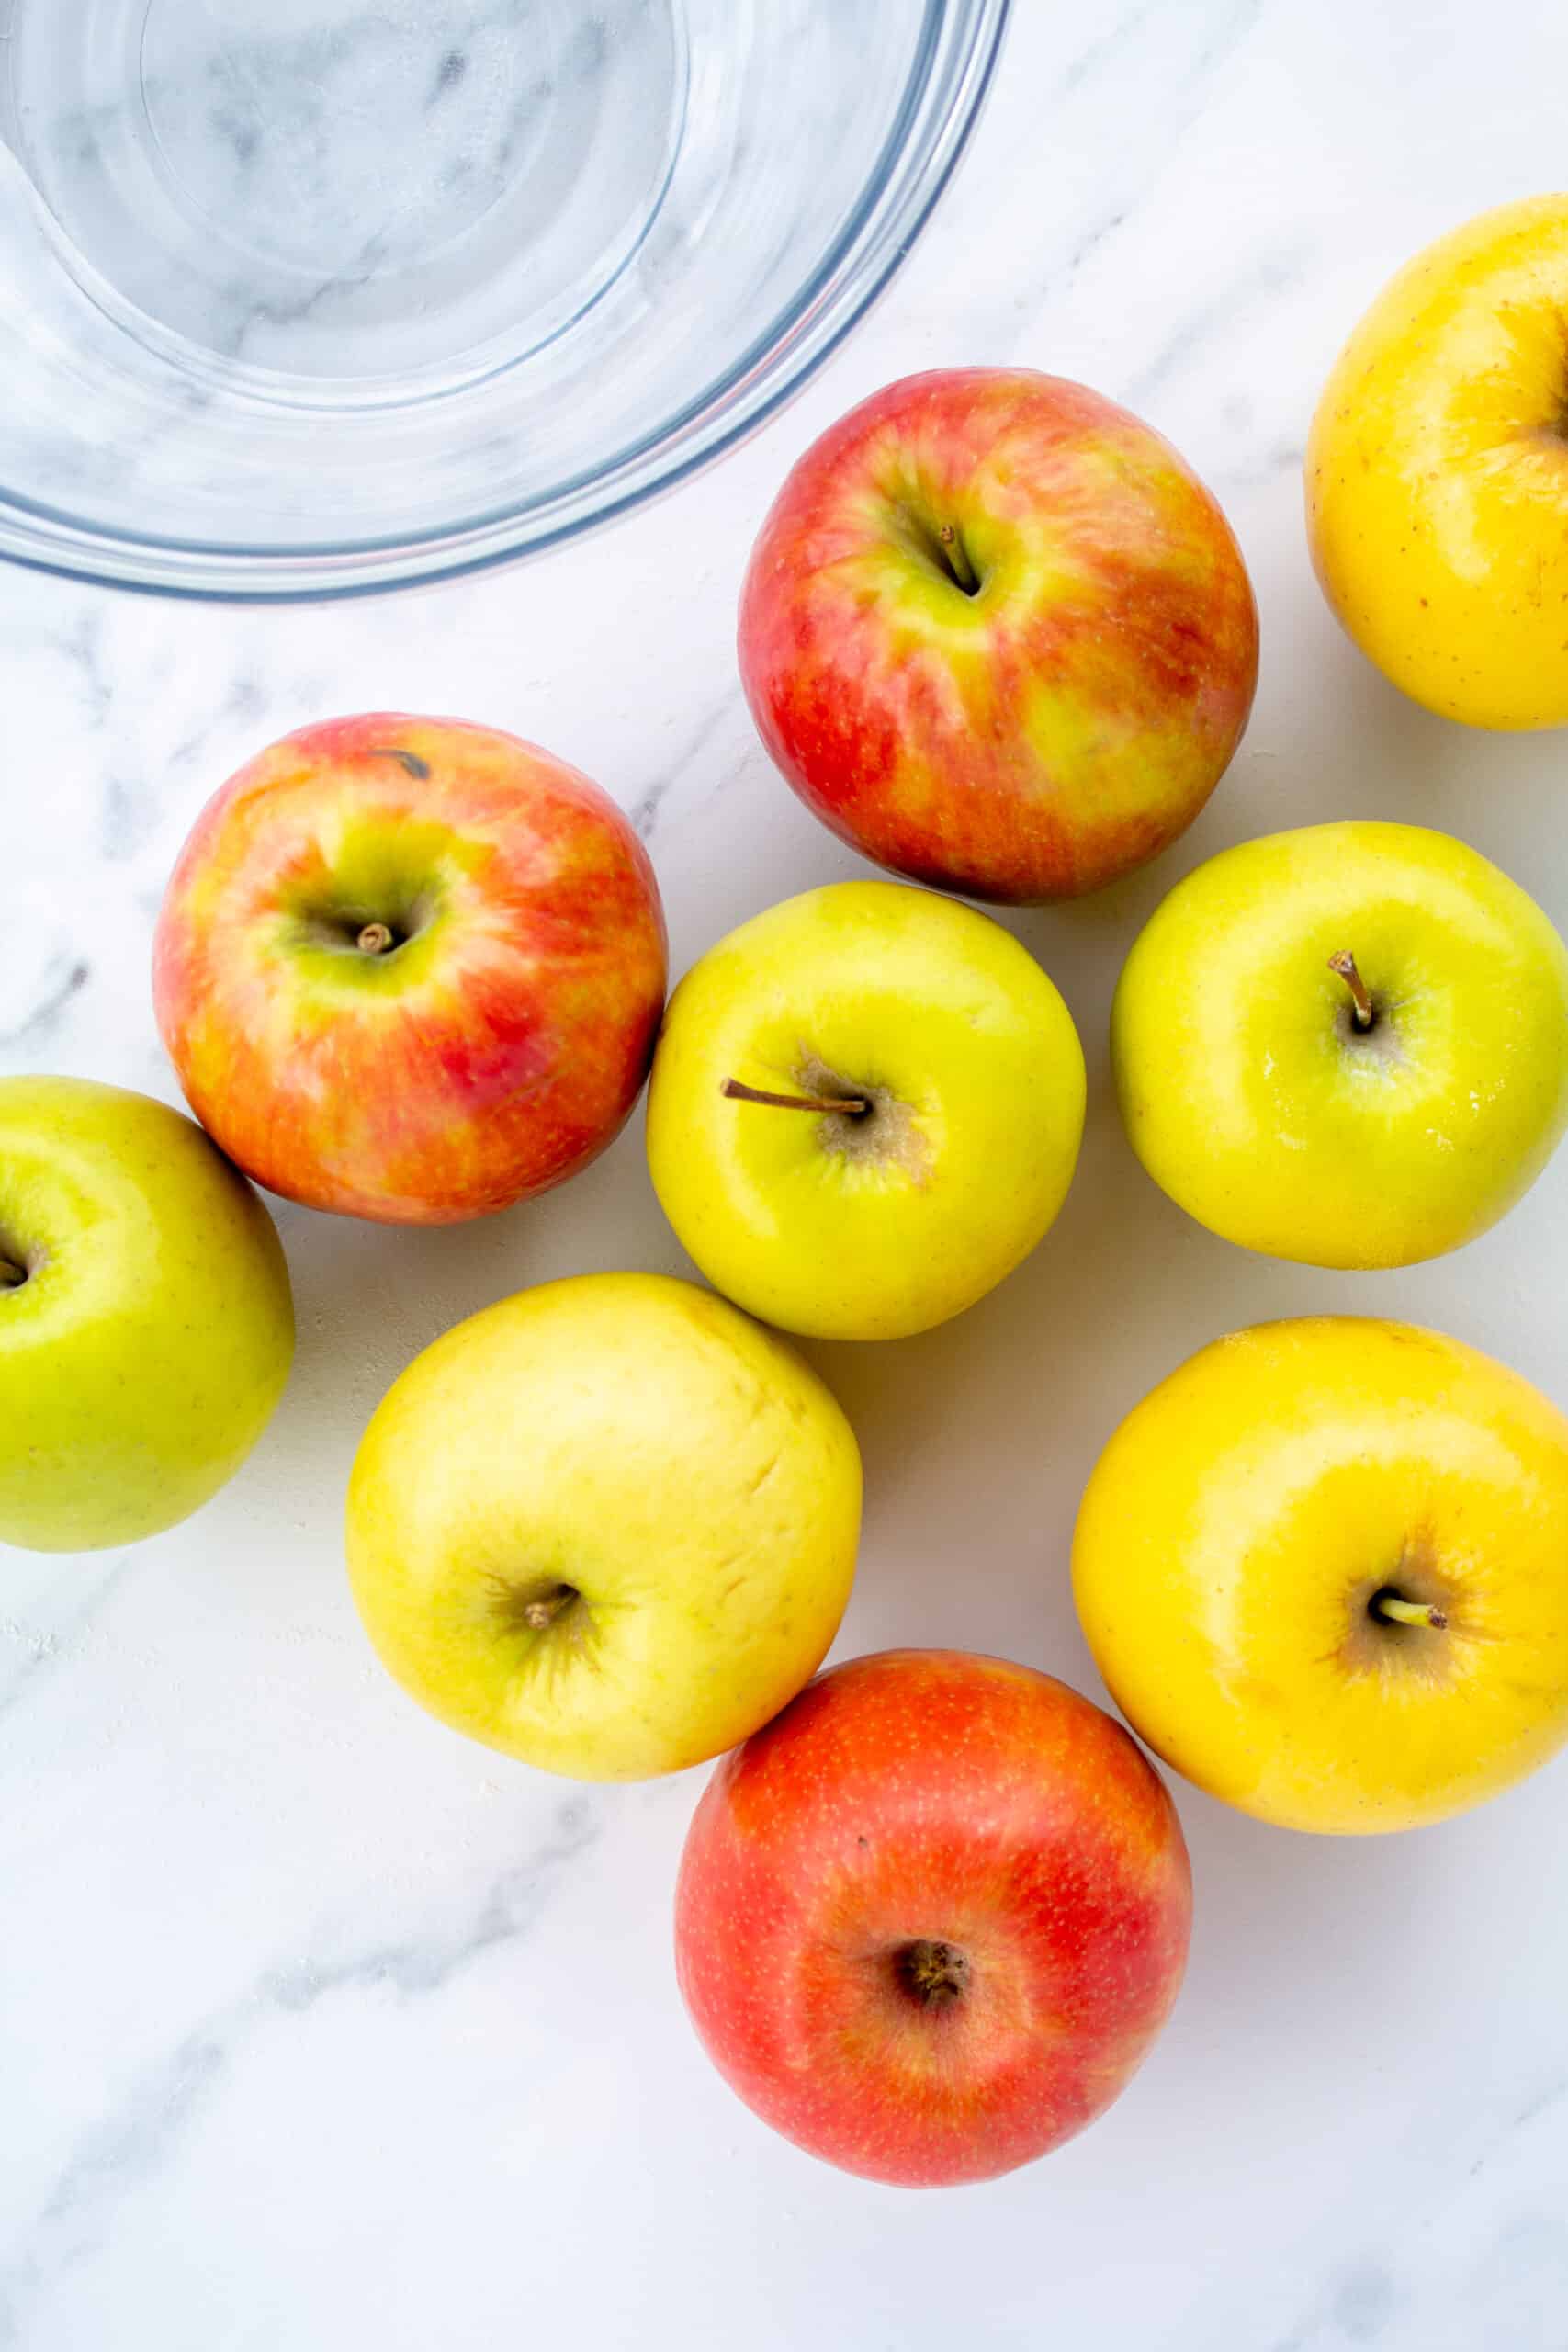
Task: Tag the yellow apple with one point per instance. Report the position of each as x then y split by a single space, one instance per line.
608 1526
1437 472
1346 1045
146 1323
865 1109
1324 1571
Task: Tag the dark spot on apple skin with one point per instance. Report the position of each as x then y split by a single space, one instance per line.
419 769
863 1841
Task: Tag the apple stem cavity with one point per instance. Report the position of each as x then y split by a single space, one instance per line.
932 1973
375 939
12 1276
1363 1012
957 561
1397 1611
852 1107
540 1614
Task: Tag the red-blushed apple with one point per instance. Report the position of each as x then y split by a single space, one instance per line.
998 635
931 1919
411 969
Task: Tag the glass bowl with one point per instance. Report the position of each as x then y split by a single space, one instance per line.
304 297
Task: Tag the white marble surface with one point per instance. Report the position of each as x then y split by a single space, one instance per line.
320 2029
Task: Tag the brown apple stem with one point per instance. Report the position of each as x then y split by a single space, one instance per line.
854 1105
958 561
1363 1012
374 939
537 1614
12 1276
1408 1613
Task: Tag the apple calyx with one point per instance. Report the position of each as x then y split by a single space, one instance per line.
542 1612
375 939
932 1973
1363 1012
1396 1610
852 1107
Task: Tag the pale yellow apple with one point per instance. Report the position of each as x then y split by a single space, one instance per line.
963 1082
608 1526
1363 1113
1324 1571
146 1324
1437 472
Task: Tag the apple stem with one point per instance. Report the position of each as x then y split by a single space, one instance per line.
855 1106
374 939
958 561
537 1614
1363 1011
1408 1613
12 1276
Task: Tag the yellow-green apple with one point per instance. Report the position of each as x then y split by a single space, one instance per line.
1437 472
930 1920
146 1325
411 969
865 1109
608 1526
998 635
1323 1570
1346 1045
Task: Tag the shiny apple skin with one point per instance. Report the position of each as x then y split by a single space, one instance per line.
1061 724
494 1053
919 1795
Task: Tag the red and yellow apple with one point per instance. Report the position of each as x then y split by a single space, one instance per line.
931 1919
410 968
998 635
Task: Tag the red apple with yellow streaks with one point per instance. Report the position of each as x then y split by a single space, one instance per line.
998 635
931 1917
410 968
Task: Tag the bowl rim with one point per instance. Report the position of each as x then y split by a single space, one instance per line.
899 200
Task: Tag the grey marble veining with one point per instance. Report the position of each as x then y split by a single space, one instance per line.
127 2146
321 2028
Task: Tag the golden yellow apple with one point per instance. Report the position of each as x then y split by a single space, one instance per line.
1324 1571
865 1109
1437 472
608 1525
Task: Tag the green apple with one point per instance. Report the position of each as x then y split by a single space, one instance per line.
146 1324
608 1526
865 1109
1346 1045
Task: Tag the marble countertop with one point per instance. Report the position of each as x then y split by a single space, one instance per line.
319 2028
